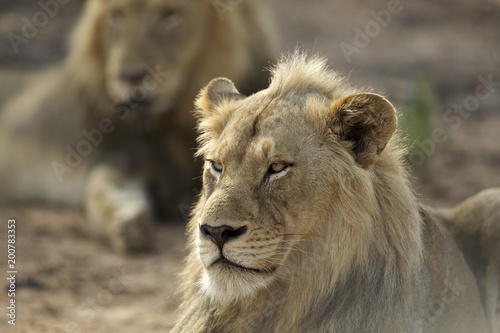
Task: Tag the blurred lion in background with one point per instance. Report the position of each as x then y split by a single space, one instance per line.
115 118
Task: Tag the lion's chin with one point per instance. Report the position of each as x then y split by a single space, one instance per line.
227 283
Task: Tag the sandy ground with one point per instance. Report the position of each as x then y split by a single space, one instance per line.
69 282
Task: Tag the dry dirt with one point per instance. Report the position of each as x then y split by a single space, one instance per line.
69 282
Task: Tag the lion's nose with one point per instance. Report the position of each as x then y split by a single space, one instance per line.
220 235
133 76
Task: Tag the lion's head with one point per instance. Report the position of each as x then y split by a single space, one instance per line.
291 180
307 221
149 46
153 56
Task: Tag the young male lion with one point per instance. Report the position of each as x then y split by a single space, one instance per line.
307 223
119 108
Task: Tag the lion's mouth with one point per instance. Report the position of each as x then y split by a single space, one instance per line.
225 262
133 103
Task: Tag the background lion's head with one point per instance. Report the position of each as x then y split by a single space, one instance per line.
149 48
152 57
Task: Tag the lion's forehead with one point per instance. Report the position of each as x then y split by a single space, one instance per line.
263 132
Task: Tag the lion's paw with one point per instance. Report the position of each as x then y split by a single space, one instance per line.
131 233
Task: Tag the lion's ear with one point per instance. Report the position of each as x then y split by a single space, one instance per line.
216 92
367 120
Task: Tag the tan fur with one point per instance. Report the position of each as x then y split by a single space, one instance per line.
133 71
307 222
475 223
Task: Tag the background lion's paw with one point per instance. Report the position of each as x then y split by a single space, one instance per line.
132 233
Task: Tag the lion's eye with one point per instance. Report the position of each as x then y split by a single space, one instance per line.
170 18
216 166
115 17
277 169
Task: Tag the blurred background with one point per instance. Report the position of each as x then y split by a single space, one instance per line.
430 58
